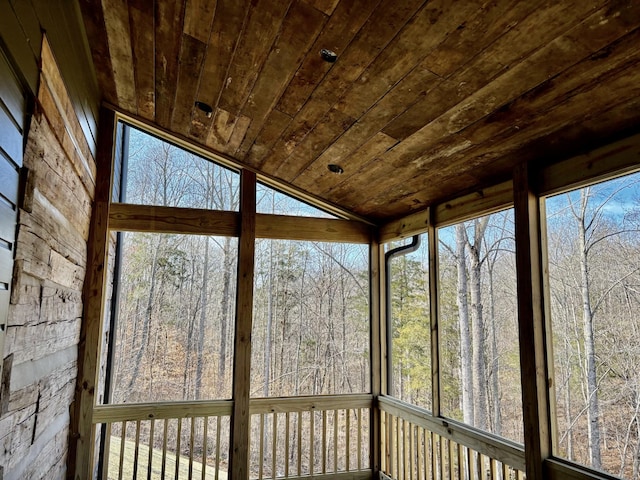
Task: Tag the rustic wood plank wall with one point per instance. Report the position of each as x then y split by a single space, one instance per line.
22 24
45 308
12 124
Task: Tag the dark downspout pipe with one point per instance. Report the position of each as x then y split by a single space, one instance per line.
390 255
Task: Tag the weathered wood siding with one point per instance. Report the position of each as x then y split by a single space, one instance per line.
22 24
46 296
12 127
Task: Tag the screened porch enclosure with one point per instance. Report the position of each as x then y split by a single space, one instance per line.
247 333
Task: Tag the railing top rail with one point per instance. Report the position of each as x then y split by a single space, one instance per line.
203 408
161 410
310 403
501 449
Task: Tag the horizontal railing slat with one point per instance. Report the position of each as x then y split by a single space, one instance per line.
492 446
306 404
202 408
148 411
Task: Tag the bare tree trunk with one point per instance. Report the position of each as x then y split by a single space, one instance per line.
495 360
463 319
479 369
301 317
224 313
146 324
203 319
636 457
267 343
593 414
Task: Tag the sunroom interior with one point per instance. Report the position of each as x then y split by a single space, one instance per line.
319 239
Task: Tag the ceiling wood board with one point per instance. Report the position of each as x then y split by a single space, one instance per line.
427 100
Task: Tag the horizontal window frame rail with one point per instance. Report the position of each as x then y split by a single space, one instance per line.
498 448
192 221
126 217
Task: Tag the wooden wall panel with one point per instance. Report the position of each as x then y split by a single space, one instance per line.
62 21
12 115
42 264
21 27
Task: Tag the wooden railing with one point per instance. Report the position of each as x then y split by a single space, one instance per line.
418 446
179 440
311 436
290 437
299 437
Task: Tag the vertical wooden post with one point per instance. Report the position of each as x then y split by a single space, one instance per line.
376 353
82 440
434 314
240 418
532 324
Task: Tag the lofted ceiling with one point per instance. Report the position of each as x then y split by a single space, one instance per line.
425 99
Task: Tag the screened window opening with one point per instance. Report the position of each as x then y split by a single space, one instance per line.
173 338
410 326
479 349
270 200
311 319
157 172
593 243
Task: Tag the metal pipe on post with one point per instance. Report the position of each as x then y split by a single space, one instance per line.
388 256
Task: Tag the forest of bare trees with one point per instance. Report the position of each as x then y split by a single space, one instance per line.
593 245
594 266
174 335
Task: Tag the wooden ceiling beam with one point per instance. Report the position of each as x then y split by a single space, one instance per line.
156 219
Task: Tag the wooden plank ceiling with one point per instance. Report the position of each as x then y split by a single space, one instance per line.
427 99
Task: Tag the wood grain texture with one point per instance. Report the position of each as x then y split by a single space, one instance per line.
376 327
191 56
144 218
263 23
375 34
241 417
59 110
116 19
311 229
169 19
299 29
142 45
533 326
424 102
408 226
82 444
339 31
227 28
